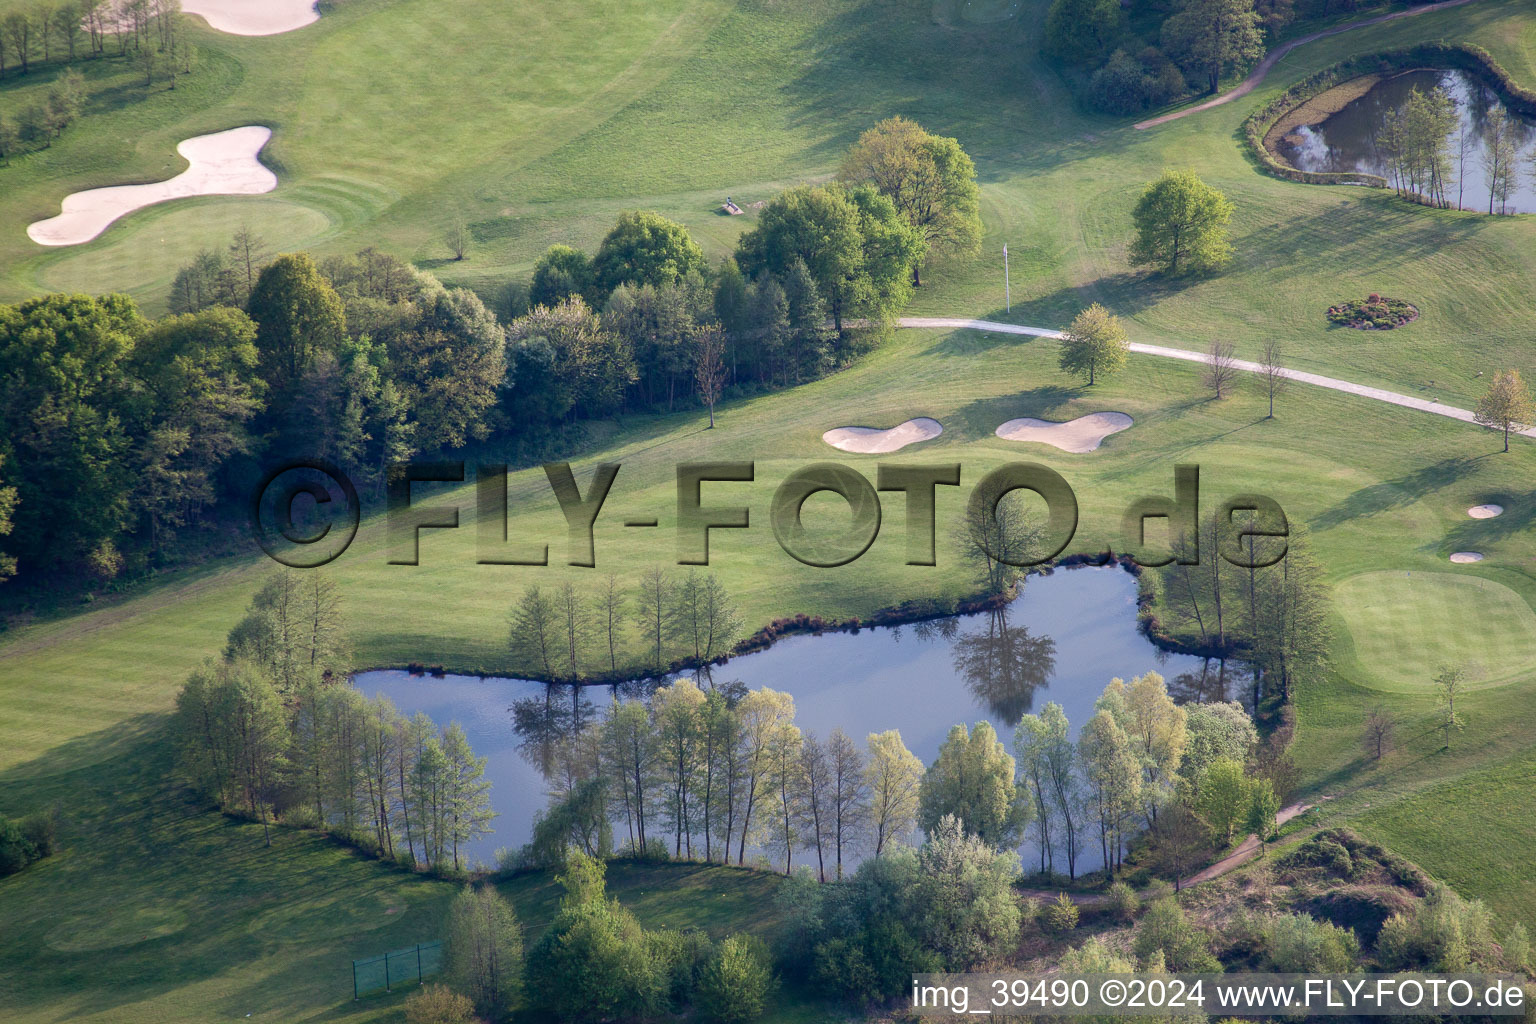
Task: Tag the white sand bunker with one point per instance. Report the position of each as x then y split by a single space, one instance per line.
1485 511
1080 435
1464 557
253 17
222 164
873 441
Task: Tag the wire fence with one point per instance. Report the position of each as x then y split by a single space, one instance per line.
412 964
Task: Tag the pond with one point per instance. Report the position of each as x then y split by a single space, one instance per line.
1346 141
1062 640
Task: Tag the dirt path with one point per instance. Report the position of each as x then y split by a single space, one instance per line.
1247 85
1246 850
1302 376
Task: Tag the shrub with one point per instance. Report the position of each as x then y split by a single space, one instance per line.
1300 944
1442 933
1129 85
679 959
735 985
1165 930
25 841
438 1004
1361 908
1060 915
1123 902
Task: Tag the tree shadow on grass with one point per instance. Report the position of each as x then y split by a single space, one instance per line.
1394 494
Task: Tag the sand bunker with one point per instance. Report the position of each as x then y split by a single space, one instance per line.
222 164
872 441
253 17
1080 435
1485 511
1464 557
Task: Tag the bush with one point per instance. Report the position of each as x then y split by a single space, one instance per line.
1297 943
438 1004
1128 85
1165 931
1060 915
680 959
1123 902
25 841
735 985
1442 933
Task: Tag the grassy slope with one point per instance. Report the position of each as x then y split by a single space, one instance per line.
154 911
1384 489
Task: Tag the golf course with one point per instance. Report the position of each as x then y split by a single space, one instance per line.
537 123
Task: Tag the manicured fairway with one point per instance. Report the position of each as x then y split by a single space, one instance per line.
1405 625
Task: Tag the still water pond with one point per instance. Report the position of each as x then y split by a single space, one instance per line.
1062 640
1346 141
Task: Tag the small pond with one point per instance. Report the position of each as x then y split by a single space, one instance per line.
1063 640
1346 141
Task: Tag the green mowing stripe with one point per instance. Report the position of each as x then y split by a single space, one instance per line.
1405 625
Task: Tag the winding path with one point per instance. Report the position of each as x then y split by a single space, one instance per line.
1247 85
1315 379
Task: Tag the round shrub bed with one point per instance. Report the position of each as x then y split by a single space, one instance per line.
1373 313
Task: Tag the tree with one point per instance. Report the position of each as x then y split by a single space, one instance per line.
1049 761
1213 37
848 794
1223 797
592 963
709 369
1450 684
1377 733
7 509
609 614
972 780
853 243
894 776
963 906
1094 345
1220 367
738 981
534 637
1114 781
1180 838
456 237
677 710
1157 730
466 800
1272 377
1506 405
930 179
573 365
629 746
1213 730
1263 805
644 248
559 274
17 29
1181 223
654 612
1081 31
298 316
249 252
485 950
1500 156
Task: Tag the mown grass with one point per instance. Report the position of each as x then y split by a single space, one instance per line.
158 910
686 101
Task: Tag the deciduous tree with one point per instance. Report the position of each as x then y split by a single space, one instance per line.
894 776
1506 405
1094 345
1181 225
485 949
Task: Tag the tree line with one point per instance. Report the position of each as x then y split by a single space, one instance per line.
706 773
275 730
1428 149
119 431
150 33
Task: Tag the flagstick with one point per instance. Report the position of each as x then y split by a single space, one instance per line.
1007 282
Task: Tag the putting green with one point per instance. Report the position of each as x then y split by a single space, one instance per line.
1405 625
